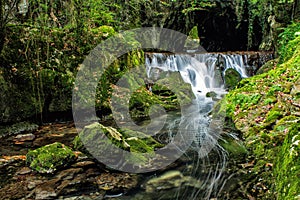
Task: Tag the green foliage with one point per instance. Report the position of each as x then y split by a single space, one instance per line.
288 163
198 5
265 14
288 41
193 34
269 124
272 116
49 158
241 101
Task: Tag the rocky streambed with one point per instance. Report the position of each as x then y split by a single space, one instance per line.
82 177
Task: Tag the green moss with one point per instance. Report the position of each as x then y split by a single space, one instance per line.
233 147
232 77
193 34
267 66
136 142
264 109
142 100
287 168
49 158
272 116
270 100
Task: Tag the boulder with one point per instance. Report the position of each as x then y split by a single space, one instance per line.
104 143
166 186
232 78
49 158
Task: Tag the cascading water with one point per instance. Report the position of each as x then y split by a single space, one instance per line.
205 73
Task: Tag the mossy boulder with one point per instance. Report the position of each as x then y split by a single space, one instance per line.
287 168
50 158
91 140
232 77
171 185
170 92
267 66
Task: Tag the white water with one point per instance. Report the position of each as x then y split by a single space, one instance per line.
205 73
200 70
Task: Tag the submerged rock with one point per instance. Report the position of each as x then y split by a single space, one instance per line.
167 185
49 158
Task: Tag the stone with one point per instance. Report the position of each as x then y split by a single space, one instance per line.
171 185
15 190
232 78
69 173
21 138
49 158
117 182
100 147
23 171
295 92
46 190
170 180
267 66
84 164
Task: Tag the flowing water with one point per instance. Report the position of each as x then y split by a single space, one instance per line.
205 73
200 173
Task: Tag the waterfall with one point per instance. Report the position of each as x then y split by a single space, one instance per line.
205 73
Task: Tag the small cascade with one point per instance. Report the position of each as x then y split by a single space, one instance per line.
205 73
202 70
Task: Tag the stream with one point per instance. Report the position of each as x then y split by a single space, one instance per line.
206 170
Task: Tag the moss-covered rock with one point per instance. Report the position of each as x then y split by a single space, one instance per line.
49 158
287 168
232 77
171 185
92 142
140 96
267 66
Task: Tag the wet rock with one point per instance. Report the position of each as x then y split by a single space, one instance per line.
211 94
116 182
21 138
67 182
46 190
170 180
49 158
98 141
267 66
93 196
23 171
232 78
68 173
16 190
17 128
170 185
84 164
33 183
